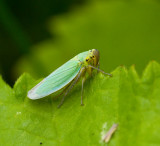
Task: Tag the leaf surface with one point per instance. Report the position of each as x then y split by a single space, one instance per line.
127 99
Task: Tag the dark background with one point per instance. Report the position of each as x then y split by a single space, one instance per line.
39 36
22 24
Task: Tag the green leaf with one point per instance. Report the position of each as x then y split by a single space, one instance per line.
127 99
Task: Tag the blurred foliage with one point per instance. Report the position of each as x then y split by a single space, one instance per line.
125 98
23 23
125 32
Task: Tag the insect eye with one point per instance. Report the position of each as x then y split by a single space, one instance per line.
93 56
86 59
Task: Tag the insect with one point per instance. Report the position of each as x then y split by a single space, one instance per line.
65 77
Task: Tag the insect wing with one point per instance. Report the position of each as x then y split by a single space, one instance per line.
56 80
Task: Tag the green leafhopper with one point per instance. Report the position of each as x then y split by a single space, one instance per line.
66 76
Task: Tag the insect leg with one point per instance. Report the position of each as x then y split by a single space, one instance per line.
98 65
69 89
83 80
100 70
64 90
